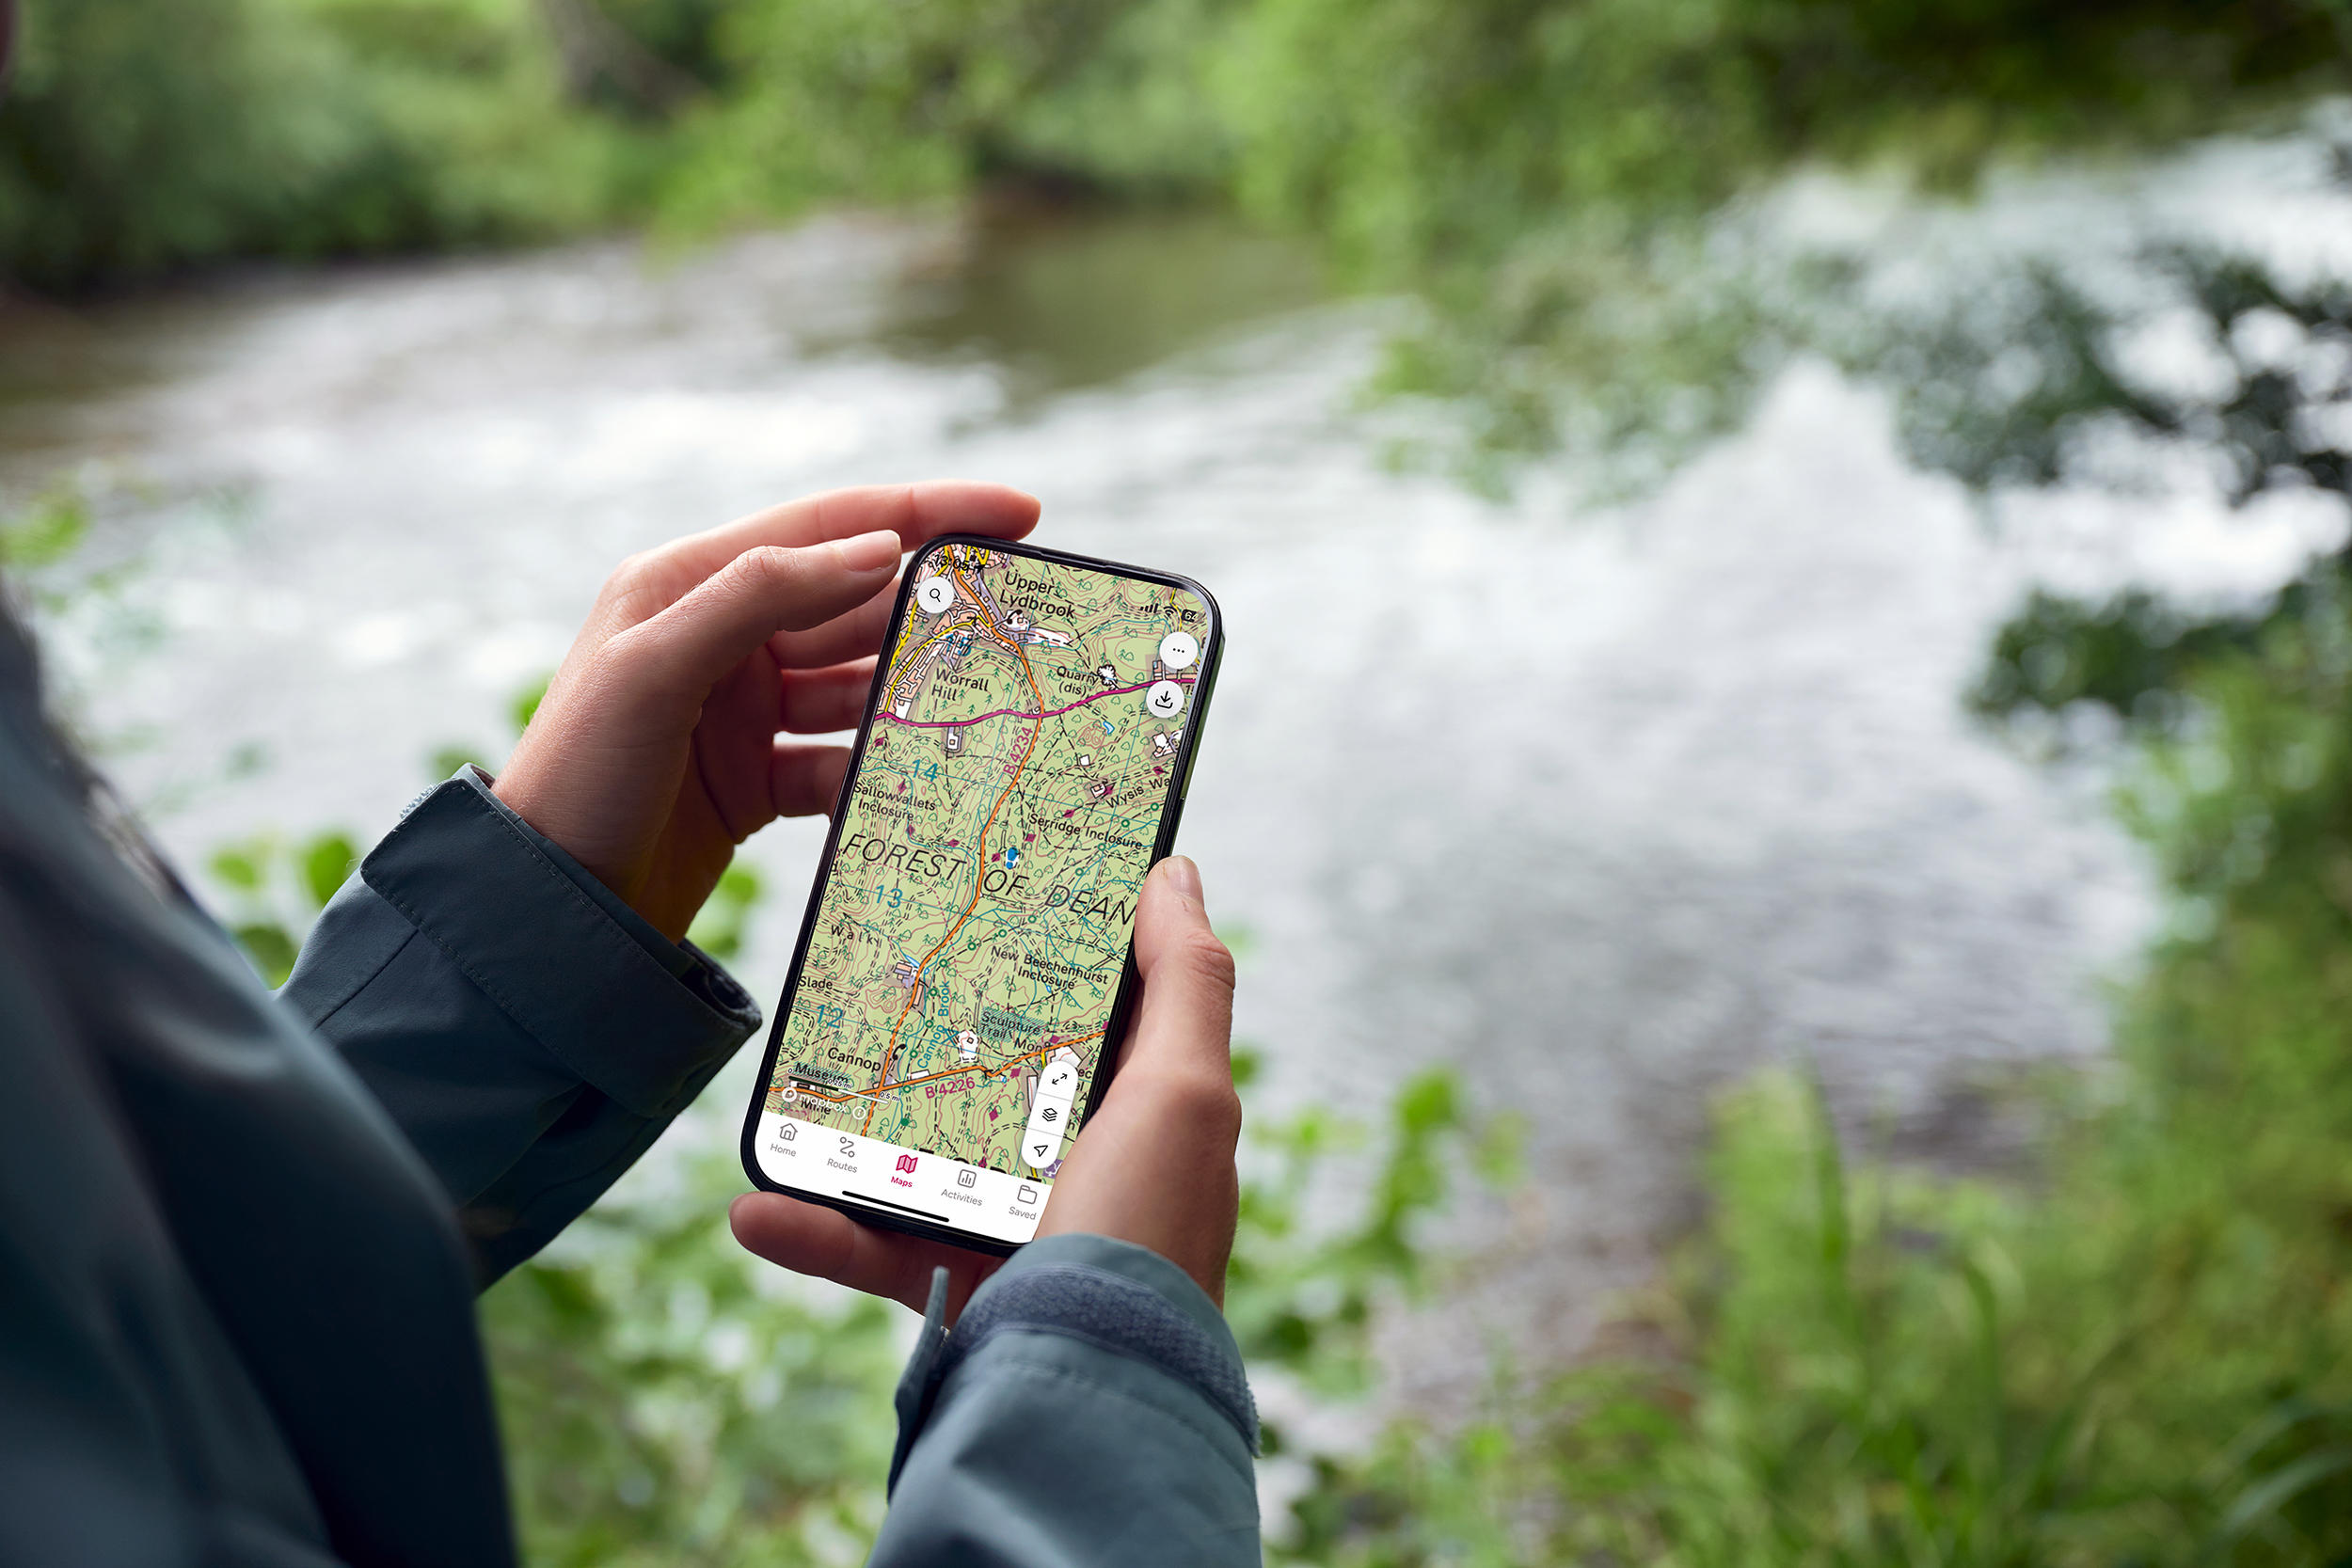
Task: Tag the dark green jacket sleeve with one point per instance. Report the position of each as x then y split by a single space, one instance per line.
1089 1408
529 1033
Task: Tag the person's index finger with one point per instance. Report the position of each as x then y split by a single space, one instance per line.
737 610
851 635
915 513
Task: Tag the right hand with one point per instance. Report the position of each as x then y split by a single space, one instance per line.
1153 1165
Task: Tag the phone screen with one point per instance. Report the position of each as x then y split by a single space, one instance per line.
966 955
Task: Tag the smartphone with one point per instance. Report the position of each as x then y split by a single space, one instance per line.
965 970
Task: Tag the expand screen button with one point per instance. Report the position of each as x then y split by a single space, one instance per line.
1060 1081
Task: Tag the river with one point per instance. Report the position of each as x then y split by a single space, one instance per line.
1606 806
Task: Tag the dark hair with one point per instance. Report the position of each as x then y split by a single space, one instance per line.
27 726
20 703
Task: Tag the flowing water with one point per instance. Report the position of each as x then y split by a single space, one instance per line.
1604 806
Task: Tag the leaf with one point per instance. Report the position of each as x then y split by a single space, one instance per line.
269 949
526 704
47 533
326 860
1429 1103
239 865
2264 1498
445 762
719 925
738 886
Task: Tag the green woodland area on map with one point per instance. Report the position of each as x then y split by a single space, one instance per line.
996 837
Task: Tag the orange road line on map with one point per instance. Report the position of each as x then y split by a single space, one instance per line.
956 1072
981 876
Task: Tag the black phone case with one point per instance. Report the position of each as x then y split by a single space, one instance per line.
1122 1001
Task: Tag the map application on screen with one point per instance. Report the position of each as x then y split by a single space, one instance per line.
936 1054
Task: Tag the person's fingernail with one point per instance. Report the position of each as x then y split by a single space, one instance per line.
1186 877
869 553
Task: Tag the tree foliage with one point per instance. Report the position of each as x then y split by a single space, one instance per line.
143 136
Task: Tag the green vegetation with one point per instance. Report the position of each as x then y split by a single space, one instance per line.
141 135
2268 427
275 889
1414 135
1549 178
668 1399
2136 1352
2142 1352
1555 180
2142 1356
48 530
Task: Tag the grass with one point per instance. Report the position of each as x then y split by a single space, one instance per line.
2139 1353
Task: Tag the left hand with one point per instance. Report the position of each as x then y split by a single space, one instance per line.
654 752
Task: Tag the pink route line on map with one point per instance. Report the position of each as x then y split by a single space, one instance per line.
1015 713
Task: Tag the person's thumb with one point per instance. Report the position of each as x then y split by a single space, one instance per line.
1186 1023
681 654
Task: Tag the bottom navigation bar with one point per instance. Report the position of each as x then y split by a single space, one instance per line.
924 1186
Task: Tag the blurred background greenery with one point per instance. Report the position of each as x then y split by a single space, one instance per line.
2131 1346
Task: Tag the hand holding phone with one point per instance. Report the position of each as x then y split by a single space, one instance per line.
968 956
1156 1167
655 750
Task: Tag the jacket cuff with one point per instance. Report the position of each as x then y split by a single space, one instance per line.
636 1016
1113 1295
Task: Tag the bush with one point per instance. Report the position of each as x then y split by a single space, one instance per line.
144 136
2140 1355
